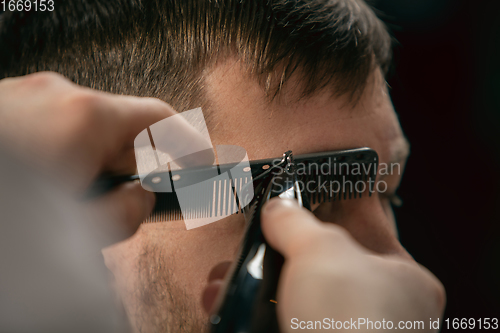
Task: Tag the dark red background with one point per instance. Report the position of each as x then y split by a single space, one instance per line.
446 89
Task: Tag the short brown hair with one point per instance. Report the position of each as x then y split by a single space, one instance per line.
163 48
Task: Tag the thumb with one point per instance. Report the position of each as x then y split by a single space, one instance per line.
288 227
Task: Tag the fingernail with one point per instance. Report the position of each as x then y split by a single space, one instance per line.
276 203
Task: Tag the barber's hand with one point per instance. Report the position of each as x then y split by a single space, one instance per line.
328 274
74 134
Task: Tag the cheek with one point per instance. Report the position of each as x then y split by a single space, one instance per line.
191 254
367 221
390 217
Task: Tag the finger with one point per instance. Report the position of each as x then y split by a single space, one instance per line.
289 228
177 138
123 164
126 206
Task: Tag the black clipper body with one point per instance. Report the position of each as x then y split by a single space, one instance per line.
249 304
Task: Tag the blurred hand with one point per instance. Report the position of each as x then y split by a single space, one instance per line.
327 274
75 134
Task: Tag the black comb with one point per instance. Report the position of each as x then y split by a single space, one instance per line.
327 176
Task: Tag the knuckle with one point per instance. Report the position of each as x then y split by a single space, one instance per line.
160 105
335 233
83 100
80 111
84 106
134 211
42 79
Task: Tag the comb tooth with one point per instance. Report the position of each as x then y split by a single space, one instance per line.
192 207
339 192
224 199
185 211
356 185
206 203
217 213
212 200
166 205
156 211
348 187
311 194
197 205
344 188
180 214
200 208
228 197
341 188
361 177
168 202
241 188
323 196
347 191
370 186
320 191
155 215
354 177
364 186
351 187
316 190
332 188
235 196
329 189
201 203
339 195
235 202
353 192
246 182
162 209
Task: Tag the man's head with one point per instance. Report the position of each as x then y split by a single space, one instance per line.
271 76
167 49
